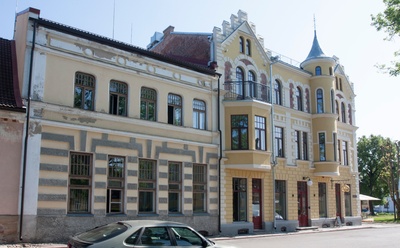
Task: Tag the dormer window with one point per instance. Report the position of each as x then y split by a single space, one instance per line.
318 71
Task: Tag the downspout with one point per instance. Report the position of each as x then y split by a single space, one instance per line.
28 110
220 154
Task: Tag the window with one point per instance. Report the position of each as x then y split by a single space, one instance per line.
339 152
260 134
279 152
148 104
239 132
322 200
147 186
174 187
240 81
334 147
330 71
337 83
332 101
347 199
151 236
337 110
345 153
248 47
199 114
199 188
251 86
299 99
280 199
239 199
115 181
118 98
318 71
350 115
278 92
186 237
343 113
174 110
340 84
297 144
80 183
251 76
305 146
84 91
321 141
320 101
241 44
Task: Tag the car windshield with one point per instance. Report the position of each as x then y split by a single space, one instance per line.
103 232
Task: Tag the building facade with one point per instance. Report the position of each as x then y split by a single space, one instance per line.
289 155
115 132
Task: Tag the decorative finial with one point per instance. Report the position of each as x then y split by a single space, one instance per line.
315 25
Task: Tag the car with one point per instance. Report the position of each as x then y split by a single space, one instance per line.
139 233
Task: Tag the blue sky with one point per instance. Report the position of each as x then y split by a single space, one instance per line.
343 28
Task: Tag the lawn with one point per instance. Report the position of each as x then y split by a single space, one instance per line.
384 218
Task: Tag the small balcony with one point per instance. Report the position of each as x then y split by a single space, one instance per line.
246 90
327 169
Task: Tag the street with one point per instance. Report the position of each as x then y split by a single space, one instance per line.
378 235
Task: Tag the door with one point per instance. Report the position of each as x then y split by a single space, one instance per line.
257 204
338 200
302 201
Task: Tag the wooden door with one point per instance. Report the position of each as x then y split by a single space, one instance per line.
302 200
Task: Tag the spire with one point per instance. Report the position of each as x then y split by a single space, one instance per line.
316 50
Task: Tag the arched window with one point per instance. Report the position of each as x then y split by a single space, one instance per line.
85 86
337 83
350 115
199 114
251 86
251 76
320 101
337 109
174 109
248 48
299 98
332 101
340 84
148 104
343 113
278 93
318 70
241 44
118 98
239 81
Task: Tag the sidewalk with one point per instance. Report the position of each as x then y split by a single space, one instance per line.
365 224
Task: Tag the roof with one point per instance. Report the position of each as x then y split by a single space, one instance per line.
316 51
121 45
10 97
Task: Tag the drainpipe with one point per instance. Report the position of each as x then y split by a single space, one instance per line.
220 154
274 60
28 110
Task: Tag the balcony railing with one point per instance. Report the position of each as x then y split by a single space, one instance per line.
244 90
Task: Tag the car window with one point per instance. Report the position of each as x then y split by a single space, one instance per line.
155 236
103 232
186 237
131 240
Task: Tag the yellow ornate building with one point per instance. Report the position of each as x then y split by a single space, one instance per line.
288 154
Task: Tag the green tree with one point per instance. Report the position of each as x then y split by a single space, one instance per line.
370 167
389 22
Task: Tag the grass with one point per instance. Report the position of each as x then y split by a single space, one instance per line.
384 218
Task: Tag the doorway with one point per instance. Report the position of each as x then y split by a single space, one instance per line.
302 201
338 200
257 203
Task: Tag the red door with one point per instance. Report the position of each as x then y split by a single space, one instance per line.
302 200
257 204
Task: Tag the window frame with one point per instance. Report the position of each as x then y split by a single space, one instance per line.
318 71
277 92
322 146
248 47
86 83
241 44
242 128
320 101
199 188
345 152
322 200
343 112
299 98
80 179
199 114
175 109
147 177
305 145
260 128
239 194
297 142
148 99
120 93
175 186
116 178
280 195
279 142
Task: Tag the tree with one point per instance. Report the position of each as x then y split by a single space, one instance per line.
370 167
389 22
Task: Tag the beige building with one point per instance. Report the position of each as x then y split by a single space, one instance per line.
115 132
288 153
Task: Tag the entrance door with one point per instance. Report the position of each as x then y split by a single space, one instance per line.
302 200
257 204
338 200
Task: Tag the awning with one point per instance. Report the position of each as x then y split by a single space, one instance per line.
368 198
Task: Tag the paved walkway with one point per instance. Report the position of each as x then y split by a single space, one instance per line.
364 225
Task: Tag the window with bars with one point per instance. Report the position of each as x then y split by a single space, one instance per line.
148 104
239 132
118 98
174 110
260 133
174 187
115 184
199 188
147 186
80 182
199 114
84 91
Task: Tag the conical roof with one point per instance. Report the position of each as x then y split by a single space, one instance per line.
316 51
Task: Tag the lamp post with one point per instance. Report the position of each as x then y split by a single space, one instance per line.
274 59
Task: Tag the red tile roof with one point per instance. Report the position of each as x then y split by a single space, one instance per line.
10 97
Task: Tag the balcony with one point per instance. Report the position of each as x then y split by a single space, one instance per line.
246 90
326 169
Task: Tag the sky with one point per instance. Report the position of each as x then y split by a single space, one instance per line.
343 29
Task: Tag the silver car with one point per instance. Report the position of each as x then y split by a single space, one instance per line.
140 233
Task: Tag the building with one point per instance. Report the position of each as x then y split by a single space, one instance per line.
289 155
115 132
12 119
